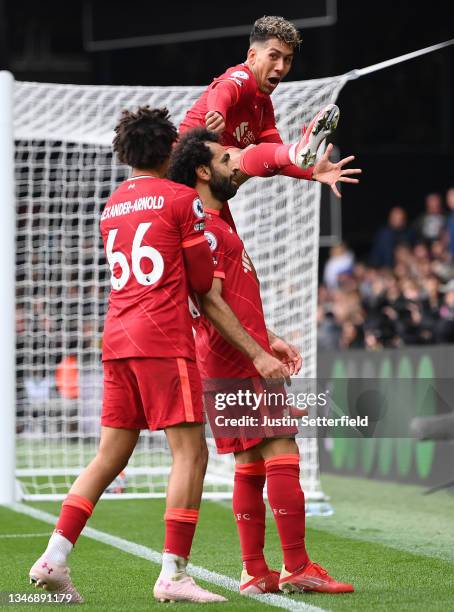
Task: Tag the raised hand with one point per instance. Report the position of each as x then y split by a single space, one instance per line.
329 173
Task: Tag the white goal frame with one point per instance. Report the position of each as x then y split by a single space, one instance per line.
7 298
304 263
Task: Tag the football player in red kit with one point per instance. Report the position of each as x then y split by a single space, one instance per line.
234 346
153 233
237 105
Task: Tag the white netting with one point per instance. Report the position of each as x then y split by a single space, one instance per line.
64 174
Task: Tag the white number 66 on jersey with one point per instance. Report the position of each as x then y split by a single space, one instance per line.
137 254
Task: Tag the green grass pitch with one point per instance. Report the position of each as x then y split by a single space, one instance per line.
395 545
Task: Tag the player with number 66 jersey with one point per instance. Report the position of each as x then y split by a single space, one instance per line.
153 232
147 226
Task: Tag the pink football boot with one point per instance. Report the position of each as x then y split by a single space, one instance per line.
183 589
54 578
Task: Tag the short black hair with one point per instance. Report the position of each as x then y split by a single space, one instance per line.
190 153
144 138
272 26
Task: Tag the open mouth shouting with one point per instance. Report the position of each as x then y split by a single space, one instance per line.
273 81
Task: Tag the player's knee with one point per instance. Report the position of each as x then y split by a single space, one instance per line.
280 446
199 457
112 460
192 457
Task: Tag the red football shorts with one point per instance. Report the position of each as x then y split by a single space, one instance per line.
270 407
151 393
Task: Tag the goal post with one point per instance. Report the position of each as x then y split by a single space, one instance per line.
7 298
65 171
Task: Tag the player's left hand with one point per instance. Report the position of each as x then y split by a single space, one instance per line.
325 171
287 354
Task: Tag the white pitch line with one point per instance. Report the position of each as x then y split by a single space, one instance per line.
24 535
279 601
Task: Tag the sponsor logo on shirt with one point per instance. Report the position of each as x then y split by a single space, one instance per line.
243 134
197 207
241 130
240 74
237 81
212 240
199 226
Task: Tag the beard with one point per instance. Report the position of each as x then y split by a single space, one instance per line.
222 187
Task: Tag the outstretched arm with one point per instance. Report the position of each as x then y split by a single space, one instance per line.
329 173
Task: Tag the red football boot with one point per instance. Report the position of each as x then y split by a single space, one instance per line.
311 577
260 584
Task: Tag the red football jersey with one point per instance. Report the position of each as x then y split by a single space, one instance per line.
241 290
145 225
248 120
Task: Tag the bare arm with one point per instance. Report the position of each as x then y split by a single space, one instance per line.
226 322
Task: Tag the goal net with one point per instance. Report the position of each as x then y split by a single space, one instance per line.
64 172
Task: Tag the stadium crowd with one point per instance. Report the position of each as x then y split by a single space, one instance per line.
402 293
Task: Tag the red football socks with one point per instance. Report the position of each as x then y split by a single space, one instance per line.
269 158
75 512
299 173
286 499
180 529
249 511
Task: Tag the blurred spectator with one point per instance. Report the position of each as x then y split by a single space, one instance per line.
340 262
445 327
430 225
408 303
450 225
352 336
328 330
409 324
431 288
389 237
441 261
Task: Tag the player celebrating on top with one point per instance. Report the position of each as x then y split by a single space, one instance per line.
153 236
237 105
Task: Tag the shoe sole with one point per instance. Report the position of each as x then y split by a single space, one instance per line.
256 591
288 588
323 127
166 599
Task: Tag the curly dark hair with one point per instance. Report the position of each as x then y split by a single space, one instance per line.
144 138
190 153
275 27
